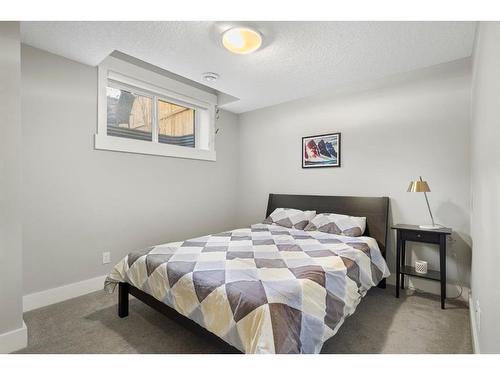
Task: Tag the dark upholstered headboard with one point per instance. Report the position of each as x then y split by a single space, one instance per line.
375 209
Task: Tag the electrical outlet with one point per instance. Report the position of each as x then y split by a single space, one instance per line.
106 257
478 316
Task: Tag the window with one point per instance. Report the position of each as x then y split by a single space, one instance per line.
140 112
175 124
129 114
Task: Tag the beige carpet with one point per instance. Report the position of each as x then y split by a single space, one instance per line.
414 323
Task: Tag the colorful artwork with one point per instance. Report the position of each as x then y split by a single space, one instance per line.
321 151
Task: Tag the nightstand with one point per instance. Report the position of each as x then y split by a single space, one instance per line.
414 233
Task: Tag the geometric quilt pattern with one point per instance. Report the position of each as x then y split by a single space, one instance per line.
263 289
344 225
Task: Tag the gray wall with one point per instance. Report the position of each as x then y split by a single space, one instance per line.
393 131
10 179
485 133
79 202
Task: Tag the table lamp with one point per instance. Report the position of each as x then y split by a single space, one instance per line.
421 186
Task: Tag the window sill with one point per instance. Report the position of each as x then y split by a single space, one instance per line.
134 146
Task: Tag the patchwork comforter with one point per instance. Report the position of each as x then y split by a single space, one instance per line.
264 289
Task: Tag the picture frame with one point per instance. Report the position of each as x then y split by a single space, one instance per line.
321 151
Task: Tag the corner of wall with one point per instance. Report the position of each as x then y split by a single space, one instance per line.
14 340
473 326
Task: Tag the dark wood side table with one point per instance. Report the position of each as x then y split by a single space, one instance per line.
405 232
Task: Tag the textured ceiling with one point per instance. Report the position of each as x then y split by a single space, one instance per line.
298 59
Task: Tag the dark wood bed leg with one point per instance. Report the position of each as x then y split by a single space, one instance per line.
123 291
382 284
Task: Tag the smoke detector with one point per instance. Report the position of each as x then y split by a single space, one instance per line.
210 77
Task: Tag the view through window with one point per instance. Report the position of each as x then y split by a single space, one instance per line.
176 124
130 115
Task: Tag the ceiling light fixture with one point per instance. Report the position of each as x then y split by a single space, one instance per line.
210 77
241 40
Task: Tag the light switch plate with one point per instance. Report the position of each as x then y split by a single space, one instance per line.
106 257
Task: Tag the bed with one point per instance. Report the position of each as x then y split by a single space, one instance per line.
266 288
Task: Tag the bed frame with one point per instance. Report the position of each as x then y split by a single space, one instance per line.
375 209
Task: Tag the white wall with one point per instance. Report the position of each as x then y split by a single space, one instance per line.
79 202
10 186
393 131
485 184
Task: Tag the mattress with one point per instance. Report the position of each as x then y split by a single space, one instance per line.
263 289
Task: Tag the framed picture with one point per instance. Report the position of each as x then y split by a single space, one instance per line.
321 151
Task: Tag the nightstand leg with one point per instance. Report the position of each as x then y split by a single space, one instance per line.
398 262
403 262
442 263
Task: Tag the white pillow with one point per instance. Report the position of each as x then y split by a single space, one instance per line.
290 218
344 225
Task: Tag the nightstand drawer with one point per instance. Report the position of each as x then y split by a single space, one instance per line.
420 236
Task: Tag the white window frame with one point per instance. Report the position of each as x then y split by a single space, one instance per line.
159 87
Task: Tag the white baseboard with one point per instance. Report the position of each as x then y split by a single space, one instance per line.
473 326
62 293
14 340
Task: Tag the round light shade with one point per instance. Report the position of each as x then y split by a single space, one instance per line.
241 40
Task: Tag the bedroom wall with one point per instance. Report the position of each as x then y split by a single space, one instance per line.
79 202
12 334
393 130
485 185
